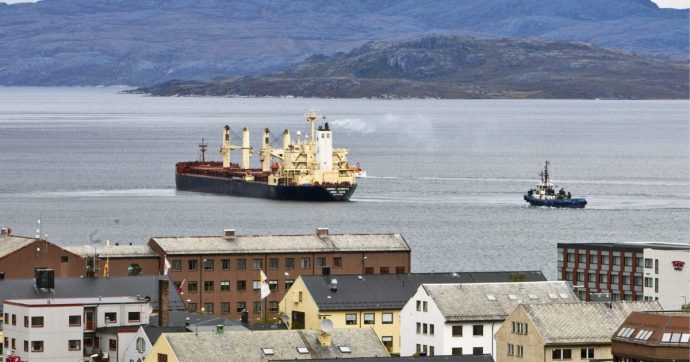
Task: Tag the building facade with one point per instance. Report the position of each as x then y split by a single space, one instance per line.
579 331
457 319
654 337
71 329
121 260
627 271
21 256
221 274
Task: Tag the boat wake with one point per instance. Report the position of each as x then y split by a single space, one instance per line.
100 193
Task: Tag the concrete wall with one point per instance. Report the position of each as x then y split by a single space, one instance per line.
673 285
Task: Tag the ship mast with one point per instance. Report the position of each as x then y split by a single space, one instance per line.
202 151
546 172
311 118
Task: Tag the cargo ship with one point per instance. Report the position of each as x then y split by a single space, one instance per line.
308 169
545 194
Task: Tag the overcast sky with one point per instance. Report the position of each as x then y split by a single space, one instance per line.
678 4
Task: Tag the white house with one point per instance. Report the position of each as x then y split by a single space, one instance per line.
455 319
69 329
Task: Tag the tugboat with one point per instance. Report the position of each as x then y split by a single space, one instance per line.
545 195
303 170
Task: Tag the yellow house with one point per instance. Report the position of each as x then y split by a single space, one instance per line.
368 301
563 331
248 346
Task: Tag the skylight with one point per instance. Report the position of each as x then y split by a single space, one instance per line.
533 296
490 297
512 296
553 295
344 349
268 351
564 295
302 350
625 332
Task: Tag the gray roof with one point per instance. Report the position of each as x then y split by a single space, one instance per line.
144 286
114 251
247 346
10 244
584 322
153 332
281 243
457 358
179 318
494 301
392 291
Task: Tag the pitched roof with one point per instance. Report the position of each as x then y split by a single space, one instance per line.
114 251
584 322
457 358
179 318
247 346
281 243
392 291
671 329
494 301
153 332
146 285
10 244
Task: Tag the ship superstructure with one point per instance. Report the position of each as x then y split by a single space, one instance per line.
305 169
544 194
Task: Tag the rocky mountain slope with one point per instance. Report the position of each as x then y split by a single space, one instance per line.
459 67
140 42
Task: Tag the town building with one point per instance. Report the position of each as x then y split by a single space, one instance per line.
579 331
121 260
371 301
463 358
456 319
267 345
20 256
70 329
221 274
653 337
627 271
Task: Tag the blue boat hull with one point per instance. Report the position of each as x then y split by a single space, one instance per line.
570 203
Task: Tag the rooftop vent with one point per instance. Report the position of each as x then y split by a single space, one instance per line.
321 232
229 233
5 231
334 285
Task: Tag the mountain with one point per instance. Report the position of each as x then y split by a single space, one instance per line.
140 42
459 67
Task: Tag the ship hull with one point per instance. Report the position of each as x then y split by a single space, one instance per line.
568 203
226 186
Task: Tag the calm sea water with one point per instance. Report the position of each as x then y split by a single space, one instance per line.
449 175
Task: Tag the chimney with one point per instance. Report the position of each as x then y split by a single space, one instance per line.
163 302
5 232
229 234
321 232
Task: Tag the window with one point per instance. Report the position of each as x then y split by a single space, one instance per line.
582 258
638 281
208 307
614 278
478 330
569 276
191 307
320 262
273 306
111 317
456 351
431 351
141 345
560 255
14 320
384 270
387 341
112 344
176 265
419 328
510 349
289 283
627 261
273 285
64 259
225 286
208 286
604 260
586 353
626 279
26 346
256 285
192 287
241 285
519 351
257 307
561 353
478 350
571 258
224 307
304 263
580 276
457 331
241 264
592 277
133 316
240 306
26 321
224 264
350 319
425 306
162 357
639 262
656 285
337 262
299 296
425 328
648 263
399 270
74 345
36 346
369 270
14 343
519 328
603 278
387 318
273 263
616 260
431 329
649 282
191 265
419 306
289 263
208 264
257 264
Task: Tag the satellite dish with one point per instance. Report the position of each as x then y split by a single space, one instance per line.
285 318
326 325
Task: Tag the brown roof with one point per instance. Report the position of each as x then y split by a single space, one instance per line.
656 329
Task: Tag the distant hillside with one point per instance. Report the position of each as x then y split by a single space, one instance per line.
141 42
459 67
